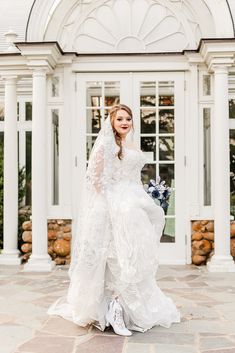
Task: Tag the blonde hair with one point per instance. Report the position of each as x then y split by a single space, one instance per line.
113 113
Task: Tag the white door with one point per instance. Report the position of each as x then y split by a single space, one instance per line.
157 102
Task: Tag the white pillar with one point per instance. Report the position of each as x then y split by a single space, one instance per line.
39 259
10 253
221 261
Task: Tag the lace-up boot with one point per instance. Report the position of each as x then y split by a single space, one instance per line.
114 317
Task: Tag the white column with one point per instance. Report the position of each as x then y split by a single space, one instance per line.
221 261
10 253
39 260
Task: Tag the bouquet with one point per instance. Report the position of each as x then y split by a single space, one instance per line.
159 192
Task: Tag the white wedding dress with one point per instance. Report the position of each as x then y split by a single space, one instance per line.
119 256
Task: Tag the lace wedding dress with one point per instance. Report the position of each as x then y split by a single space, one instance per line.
118 254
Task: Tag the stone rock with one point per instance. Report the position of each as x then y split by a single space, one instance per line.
67 236
198 259
197 236
198 252
204 222
210 226
203 245
208 235
232 247
206 246
196 226
27 225
53 255
27 236
50 250
232 229
26 247
26 256
62 247
59 234
66 229
51 234
61 222
59 261
52 226
196 244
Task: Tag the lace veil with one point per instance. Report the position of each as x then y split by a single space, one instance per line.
97 181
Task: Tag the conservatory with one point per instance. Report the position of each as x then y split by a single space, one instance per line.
64 64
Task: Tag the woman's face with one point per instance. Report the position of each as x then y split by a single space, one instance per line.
122 123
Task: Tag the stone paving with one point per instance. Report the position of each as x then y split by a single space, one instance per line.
206 301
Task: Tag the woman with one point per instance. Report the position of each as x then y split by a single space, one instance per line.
115 254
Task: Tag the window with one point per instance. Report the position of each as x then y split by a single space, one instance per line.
157 113
55 156
100 97
207 155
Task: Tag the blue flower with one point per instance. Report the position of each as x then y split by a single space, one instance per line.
155 194
158 191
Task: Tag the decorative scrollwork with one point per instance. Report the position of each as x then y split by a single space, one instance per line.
130 26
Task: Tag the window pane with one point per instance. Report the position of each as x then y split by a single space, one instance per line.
111 93
1 111
232 172
90 140
28 110
148 172
148 120
55 156
94 117
207 155
206 82
170 209
148 94
18 111
232 108
94 94
166 120
166 148
28 156
166 93
167 172
169 231
148 146
55 81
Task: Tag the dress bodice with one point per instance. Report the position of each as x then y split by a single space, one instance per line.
129 168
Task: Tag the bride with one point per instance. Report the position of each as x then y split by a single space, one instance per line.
115 252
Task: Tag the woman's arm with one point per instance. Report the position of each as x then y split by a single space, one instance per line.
95 170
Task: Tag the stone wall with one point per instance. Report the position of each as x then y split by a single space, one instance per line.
59 238
203 241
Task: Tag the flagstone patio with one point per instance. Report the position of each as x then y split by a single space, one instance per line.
206 301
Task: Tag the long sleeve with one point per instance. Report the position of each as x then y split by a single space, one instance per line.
95 170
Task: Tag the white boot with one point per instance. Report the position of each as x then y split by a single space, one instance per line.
114 316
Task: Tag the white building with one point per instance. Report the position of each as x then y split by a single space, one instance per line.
171 61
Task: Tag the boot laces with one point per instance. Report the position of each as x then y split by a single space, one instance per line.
118 318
